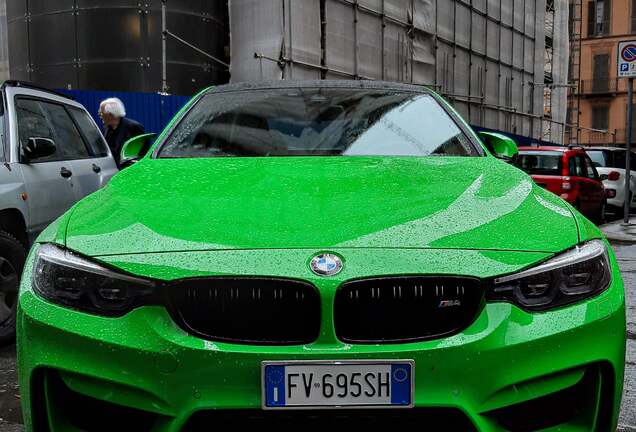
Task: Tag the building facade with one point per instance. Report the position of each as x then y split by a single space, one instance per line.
602 96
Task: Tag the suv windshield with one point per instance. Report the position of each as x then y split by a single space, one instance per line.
317 122
541 163
601 158
611 158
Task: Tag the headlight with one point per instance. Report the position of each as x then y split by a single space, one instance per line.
574 275
68 279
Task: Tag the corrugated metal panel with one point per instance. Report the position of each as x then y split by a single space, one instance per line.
152 110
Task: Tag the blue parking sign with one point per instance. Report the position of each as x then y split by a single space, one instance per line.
624 67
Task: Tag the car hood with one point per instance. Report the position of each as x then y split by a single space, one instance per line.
320 203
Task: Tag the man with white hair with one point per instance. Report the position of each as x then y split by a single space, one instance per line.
117 128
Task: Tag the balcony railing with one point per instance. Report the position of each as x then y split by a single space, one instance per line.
591 137
602 86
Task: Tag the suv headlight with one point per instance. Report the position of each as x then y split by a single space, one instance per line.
71 280
572 276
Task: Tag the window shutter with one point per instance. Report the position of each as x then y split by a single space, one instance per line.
633 16
600 117
591 13
607 16
601 66
600 82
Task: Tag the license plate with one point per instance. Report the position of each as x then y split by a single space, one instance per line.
330 384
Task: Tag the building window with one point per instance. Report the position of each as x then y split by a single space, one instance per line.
600 117
600 82
633 16
598 17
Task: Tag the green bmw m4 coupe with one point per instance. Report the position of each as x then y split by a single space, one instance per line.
311 254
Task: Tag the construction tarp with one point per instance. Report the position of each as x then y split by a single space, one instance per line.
274 39
265 34
560 74
485 56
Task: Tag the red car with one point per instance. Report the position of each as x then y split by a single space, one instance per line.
569 173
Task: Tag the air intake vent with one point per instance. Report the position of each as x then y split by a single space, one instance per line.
405 309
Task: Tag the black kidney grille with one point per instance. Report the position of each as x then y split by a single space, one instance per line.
405 309
247 310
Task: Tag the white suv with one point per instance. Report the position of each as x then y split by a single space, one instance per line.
52 154
610 164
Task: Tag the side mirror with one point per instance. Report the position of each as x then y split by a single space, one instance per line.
135 149
604 177
500 145
38 147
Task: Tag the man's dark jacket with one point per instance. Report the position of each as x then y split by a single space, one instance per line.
117 137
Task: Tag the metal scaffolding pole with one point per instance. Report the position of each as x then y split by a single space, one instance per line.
164 61
548 69
574 97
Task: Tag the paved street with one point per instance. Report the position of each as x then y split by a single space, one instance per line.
9 395
627 260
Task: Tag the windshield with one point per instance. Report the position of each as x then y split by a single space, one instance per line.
611 158
541 163
599 157
317 122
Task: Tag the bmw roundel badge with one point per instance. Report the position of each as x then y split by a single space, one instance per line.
326 264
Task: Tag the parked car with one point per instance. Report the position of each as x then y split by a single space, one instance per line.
286 252
569 173
52 154
610 164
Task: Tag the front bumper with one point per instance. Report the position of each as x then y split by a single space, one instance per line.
508 369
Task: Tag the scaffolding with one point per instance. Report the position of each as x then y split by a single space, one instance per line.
556 71
574 94
550 15
486 56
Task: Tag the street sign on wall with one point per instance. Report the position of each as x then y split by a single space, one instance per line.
627 59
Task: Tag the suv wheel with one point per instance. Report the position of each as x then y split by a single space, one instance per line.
12 257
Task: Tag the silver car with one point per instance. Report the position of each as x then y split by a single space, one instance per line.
52 154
